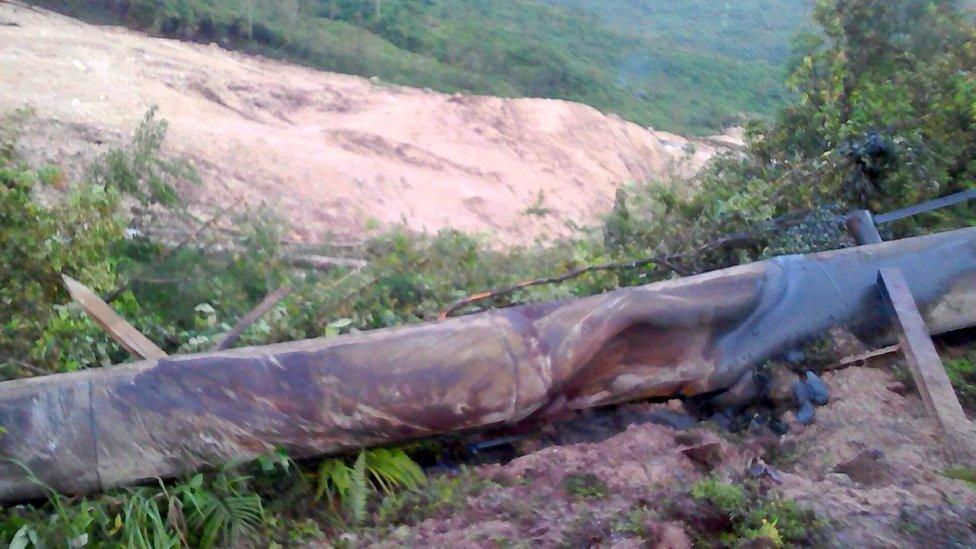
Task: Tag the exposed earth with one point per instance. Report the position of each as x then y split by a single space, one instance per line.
870 470
333 153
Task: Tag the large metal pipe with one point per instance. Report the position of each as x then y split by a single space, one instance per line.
95 429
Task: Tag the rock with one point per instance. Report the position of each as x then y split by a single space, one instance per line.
744 392
756 469
668 535
801 392
869 468
678 421
806 414
759 469
898 388
839 479
708 456
780 388
817 389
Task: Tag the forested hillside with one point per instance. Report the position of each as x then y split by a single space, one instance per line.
688 66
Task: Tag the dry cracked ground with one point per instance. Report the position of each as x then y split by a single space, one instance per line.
869 472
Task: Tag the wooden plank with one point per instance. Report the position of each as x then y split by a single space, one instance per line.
925 365
250 318
863 358
116 326
928 206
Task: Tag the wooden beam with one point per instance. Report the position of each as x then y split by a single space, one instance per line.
862 358
250 318
121 331
926 367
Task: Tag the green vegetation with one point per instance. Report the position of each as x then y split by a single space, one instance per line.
962 375
726 496
379 469
965 474
683 66
884 117
753 516
585 486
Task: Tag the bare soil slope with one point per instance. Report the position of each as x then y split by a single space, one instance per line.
330 151
871 469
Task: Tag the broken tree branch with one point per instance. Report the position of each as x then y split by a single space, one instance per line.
324 263
669 262
251 317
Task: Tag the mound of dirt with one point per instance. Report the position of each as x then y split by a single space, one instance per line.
328 150
870 469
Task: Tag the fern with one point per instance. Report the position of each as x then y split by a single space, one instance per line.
390 468
334 480
223 512
379 469
359 491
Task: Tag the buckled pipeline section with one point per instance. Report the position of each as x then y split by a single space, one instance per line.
95 429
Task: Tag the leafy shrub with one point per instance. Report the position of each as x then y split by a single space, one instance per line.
37 244
728 497
139 170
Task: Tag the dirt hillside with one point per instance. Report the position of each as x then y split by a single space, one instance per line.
331 151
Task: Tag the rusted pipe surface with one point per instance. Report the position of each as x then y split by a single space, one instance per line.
90 430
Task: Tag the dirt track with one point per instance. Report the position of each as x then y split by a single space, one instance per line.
330 151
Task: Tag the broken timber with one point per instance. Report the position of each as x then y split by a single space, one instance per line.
94 429
116 326
925 365
272 299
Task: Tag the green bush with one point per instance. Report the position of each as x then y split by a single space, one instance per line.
37 244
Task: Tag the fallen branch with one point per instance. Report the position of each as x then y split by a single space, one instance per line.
251 317
324 262
862 359
669 262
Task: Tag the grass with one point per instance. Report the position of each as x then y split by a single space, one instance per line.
965 474
585 486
